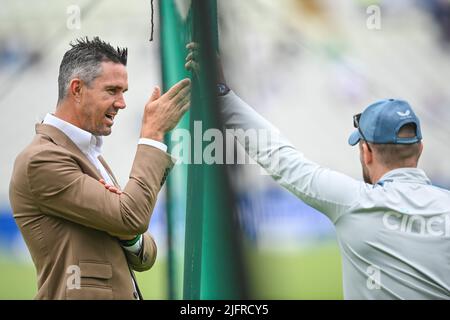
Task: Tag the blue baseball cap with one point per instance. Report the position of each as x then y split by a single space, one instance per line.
381 121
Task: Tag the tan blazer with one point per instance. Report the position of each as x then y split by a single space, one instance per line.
68 219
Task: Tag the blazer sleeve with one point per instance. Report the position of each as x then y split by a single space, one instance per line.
146 257
61 189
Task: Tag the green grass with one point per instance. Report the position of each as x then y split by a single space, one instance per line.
17 280
313 273
153 283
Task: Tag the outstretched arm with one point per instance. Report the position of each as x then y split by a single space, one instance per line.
326 190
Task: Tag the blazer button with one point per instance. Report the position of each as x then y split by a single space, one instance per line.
135 294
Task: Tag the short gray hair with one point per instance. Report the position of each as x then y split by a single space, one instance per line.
84 60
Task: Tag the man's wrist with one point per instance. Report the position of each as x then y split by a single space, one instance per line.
157 136
130 242
134 246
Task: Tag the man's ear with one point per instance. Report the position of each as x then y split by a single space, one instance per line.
420 151
76 89
367 155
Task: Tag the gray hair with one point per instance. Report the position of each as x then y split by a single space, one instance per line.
84 60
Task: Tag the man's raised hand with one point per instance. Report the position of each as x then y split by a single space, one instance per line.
163 112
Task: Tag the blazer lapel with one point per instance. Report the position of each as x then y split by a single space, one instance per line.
60 138
108 169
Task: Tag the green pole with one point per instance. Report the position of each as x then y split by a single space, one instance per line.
213 262
174 32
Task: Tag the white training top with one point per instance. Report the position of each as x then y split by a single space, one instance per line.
394 236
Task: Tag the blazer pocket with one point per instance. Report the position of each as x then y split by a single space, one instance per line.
94 269
94 282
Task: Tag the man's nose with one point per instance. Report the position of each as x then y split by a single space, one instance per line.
120 103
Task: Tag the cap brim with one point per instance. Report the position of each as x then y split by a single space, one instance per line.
354 138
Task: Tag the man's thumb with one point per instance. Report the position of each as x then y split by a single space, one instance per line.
156 94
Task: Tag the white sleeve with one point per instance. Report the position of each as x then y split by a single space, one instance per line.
328 191
153 143
135 248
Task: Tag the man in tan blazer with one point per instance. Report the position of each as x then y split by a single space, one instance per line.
85 235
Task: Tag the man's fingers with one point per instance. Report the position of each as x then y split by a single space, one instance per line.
112 188
177 87
182 94
192 65
192 45
155 94
191 56
115 190
185 108
184 100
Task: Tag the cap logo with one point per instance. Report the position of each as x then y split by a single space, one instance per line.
404 114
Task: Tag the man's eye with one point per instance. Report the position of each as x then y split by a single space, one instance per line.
112 91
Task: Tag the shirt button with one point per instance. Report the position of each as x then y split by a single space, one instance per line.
135 294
